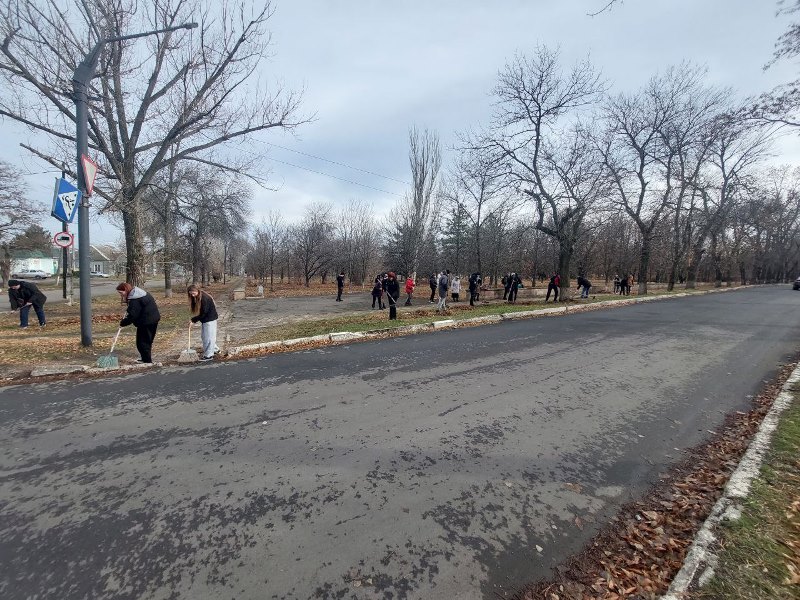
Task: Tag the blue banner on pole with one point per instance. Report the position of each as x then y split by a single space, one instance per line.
65 201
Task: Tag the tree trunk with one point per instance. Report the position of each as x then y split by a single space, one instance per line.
564 259
168 252
644 264
133 245
197 259
695 256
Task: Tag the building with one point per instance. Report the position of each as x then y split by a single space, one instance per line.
101 261
33 260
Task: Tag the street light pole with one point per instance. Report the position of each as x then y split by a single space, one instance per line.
81 79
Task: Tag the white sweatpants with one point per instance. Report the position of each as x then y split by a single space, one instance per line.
208 333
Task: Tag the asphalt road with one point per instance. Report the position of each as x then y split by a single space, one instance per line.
446 465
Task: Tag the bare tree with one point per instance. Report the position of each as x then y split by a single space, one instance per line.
736 146
549 155
646 134
312 240
16 214
479 188
425 158
357 239
193 90
212 205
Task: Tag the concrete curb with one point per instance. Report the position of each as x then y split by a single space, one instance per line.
701 560
348 336
124 368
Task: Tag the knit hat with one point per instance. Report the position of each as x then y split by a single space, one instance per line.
13 282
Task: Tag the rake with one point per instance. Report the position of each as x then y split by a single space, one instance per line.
110 361
188 355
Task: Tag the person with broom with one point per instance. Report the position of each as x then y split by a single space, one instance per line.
143 314
204 311
392 294
22 295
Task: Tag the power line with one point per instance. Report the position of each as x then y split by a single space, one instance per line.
341 164
334 177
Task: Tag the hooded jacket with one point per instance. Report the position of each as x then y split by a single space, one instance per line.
392 288
142 309
208 310
409 285
27 293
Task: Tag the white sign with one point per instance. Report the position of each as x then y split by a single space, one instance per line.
89 173
63 239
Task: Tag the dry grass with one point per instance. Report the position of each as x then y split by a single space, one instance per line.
379 319
761 551
59 343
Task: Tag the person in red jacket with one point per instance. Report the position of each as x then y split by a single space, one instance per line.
555 283
409 288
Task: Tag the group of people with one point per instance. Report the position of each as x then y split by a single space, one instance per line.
386 286
141 312
444 282
622 285
511 284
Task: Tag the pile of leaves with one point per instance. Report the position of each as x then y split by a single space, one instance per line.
641 551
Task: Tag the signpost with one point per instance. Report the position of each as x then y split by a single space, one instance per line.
63 239
89 173
65 201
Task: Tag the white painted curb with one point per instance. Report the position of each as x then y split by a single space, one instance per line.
700 560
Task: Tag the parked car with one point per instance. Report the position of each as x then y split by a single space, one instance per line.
104 275
30 274
796 285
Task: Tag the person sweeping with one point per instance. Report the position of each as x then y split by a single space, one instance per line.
204 311
22 295
143 314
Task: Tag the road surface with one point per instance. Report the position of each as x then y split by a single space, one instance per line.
445 465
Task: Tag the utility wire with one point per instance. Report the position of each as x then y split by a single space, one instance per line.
333 176
333 162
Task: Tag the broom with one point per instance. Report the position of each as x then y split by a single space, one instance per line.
188 355
110 361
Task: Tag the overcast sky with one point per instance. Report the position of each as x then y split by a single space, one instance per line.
373 69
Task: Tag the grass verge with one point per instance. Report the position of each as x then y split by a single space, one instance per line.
378 319
760 555
59 343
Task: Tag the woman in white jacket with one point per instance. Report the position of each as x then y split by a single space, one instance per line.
455 288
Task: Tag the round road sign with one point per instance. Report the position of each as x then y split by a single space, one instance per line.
63 239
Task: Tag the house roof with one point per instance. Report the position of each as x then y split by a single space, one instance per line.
98 254
23 254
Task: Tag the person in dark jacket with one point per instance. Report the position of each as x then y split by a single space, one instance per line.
143 314
204 311
339 286
585 284
474 288
555 283
514 282
377 293
22 295
433 282
392 294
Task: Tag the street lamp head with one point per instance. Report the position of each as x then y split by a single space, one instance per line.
189 25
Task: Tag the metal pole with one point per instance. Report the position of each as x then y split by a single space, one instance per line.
65 229
80 82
